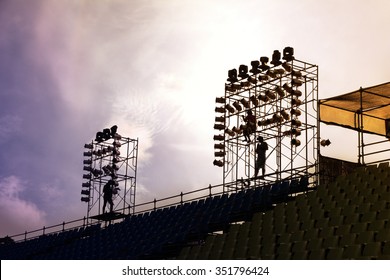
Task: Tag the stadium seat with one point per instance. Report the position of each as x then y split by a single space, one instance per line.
372 250
352 252
335 253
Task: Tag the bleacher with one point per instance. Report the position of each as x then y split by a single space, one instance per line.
347 219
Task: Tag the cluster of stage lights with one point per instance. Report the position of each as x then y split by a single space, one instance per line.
97 151
260 74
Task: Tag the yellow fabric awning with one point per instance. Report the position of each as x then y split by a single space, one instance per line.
371 104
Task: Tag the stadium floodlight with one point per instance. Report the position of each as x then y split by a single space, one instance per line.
295 122
88 146
243 71
255 67
270 94
254 100
287 88
287 66
252 80
295 142
85 192
263 98
117 136
85 199
288 53
297 73
220 119
237 106
237 130
219 154
264 60
325 143
229 108
263 78
218 163
276 58
232 76
279 71
271 73
219 137
87 168
88 154
230 132
245 103
297 82
87 176
296 112
87 161
220 100
219 110
296 102
86 185
279 91
218 126
285 115
296 92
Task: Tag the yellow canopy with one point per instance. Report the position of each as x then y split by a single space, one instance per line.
365 109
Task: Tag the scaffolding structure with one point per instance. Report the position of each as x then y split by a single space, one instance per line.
110 159
283 98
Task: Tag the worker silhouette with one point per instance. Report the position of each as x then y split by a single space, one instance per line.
261 149
107 195
250 126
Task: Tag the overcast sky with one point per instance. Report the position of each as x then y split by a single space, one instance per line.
71 68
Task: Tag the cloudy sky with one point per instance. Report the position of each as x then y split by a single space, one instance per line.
71 68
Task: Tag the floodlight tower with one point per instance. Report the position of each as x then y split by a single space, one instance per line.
282 97
110 160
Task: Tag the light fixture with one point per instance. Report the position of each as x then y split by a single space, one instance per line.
295 131
245 84
87 176
255 67
263 98
252 80
295 122
295 112
288 53
85 199
297 73
88 146
87 161
220 119
254 100
219 154
296 92
85 192
295 142
276 58
219 146
245 103
219 138
243 71
280 91
285 115
264 60
270 94
220 100
325 142
237 130
86 185
88 154
287 66
271 73
232 76
219 126
229 88
87 168
287 88
263 78
279 71
296 102
237 106
218 163
229 108
296 82
219 109
230 132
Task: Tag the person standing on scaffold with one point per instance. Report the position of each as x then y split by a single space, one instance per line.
261 149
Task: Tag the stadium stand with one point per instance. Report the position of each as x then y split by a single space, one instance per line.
345 219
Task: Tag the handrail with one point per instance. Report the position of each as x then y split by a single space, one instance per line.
148 206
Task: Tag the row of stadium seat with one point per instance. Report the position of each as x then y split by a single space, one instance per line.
339 221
